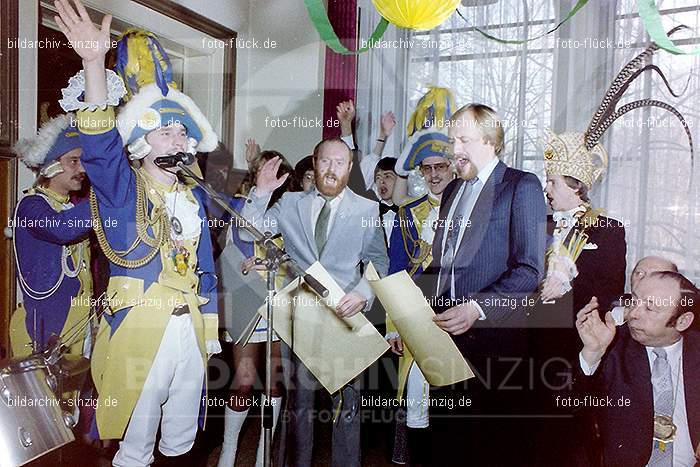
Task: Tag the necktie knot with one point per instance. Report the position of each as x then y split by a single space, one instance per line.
660 352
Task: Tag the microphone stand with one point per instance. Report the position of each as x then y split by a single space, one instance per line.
274 258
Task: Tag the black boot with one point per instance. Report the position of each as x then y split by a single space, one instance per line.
419 447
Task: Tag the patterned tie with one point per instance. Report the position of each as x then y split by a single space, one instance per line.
321 233
453 228
663 405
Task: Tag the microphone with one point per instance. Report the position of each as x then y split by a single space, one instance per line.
166 162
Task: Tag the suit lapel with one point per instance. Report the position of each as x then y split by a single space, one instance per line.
691 368
484 208
344 210
304 210
445 206
636 375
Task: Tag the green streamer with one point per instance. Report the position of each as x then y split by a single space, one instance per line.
652 23
580 4
319 17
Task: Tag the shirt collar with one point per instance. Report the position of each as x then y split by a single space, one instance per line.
560 215
63 199
433 199
158 185
673 351
337 199
486 171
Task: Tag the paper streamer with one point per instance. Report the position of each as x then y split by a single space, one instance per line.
319 17
574 10
651 18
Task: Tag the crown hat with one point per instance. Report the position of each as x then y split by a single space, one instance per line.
55 138
580 155
152 100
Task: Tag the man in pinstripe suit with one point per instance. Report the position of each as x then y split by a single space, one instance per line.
488 257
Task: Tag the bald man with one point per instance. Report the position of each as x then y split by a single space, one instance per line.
643 268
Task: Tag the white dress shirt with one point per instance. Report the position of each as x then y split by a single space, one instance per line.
388 223
317 206
683 452
483 177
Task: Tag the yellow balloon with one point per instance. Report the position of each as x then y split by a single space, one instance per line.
416 14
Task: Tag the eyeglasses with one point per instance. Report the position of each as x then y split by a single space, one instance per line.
427 169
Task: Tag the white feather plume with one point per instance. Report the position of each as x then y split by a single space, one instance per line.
130 113
33 151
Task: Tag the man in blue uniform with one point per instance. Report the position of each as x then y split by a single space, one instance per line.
51 244
151 350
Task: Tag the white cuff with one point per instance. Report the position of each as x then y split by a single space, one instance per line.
349 141
566 285
587 369
392 335
482 316
76 87
213 346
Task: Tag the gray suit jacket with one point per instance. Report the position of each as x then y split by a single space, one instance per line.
355 237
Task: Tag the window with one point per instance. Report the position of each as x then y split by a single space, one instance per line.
515 80
648 180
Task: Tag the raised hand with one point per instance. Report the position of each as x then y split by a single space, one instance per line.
387 124
345 112
595 334
89 42
266 180
252 150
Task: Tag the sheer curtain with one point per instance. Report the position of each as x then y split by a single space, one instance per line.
557 82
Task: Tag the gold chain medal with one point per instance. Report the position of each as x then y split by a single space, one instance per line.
178 254
664 430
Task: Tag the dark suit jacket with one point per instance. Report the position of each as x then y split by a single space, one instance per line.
626 432
500 257
601 273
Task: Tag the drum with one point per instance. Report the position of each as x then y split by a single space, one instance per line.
32 421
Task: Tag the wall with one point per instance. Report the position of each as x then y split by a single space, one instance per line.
280 82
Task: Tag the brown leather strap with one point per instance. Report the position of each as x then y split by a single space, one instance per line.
181 310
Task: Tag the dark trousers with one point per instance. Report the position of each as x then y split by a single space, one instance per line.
484 421
303 413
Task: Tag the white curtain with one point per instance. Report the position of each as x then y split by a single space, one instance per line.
381 83
557 82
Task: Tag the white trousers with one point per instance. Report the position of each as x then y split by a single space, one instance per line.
417 392
173 390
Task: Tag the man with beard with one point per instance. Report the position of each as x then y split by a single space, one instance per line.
333 225
51 242
488 255
410 250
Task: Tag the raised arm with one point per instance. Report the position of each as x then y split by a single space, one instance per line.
103 153
91 45
254 209
368 162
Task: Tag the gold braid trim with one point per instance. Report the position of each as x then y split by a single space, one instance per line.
419 244
158 221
